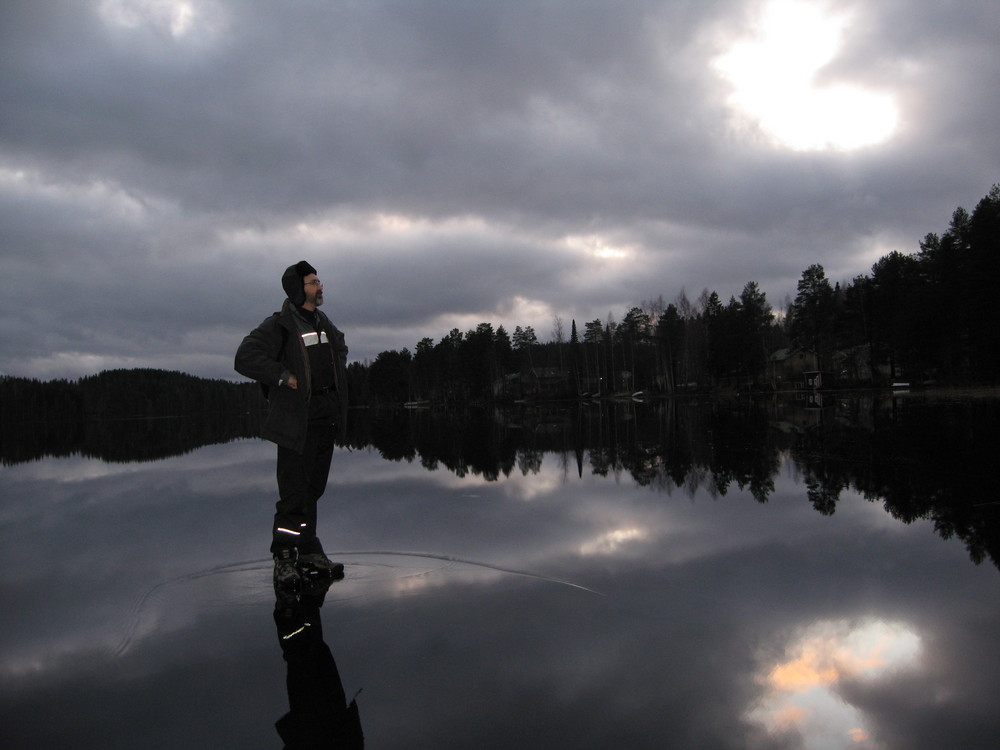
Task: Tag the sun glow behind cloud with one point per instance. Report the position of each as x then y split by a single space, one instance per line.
195 23
599 247
175 15
774 77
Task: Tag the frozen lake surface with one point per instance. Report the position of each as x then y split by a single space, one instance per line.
554 606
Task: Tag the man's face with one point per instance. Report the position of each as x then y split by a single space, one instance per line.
314 291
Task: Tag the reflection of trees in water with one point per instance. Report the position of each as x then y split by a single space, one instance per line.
712 445
921 458
680 444
123 440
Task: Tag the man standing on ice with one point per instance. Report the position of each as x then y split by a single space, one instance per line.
300 359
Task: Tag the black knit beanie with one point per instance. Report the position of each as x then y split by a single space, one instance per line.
291 281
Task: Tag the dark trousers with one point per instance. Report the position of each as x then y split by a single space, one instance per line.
301 482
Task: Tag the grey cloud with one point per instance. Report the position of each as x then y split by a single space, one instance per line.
143 150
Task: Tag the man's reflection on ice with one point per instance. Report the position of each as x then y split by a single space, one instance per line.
319 715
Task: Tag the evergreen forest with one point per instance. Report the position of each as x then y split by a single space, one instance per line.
928 316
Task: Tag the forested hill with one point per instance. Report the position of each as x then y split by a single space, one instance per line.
122 394
123 415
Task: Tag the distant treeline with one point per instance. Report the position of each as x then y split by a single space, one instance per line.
121 394
927 316
117 413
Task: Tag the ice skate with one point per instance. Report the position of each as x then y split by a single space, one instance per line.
318 565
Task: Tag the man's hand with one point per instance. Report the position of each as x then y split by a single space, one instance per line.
293 382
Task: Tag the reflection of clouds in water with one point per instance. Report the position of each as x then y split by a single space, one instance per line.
552 514
534 486
547 480
77 468
379 575
176 605
609 542
802 692
68 469
684 580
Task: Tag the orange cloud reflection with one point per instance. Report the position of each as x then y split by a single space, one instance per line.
802 694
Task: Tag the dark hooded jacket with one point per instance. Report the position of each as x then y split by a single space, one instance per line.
275 350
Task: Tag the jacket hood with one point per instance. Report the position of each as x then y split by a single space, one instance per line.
291 281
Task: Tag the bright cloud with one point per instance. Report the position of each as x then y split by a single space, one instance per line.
801 691
610 542
599 247
775 79
177 16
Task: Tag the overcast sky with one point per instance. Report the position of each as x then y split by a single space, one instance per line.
444 163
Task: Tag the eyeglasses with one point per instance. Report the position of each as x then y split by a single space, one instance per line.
314 282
